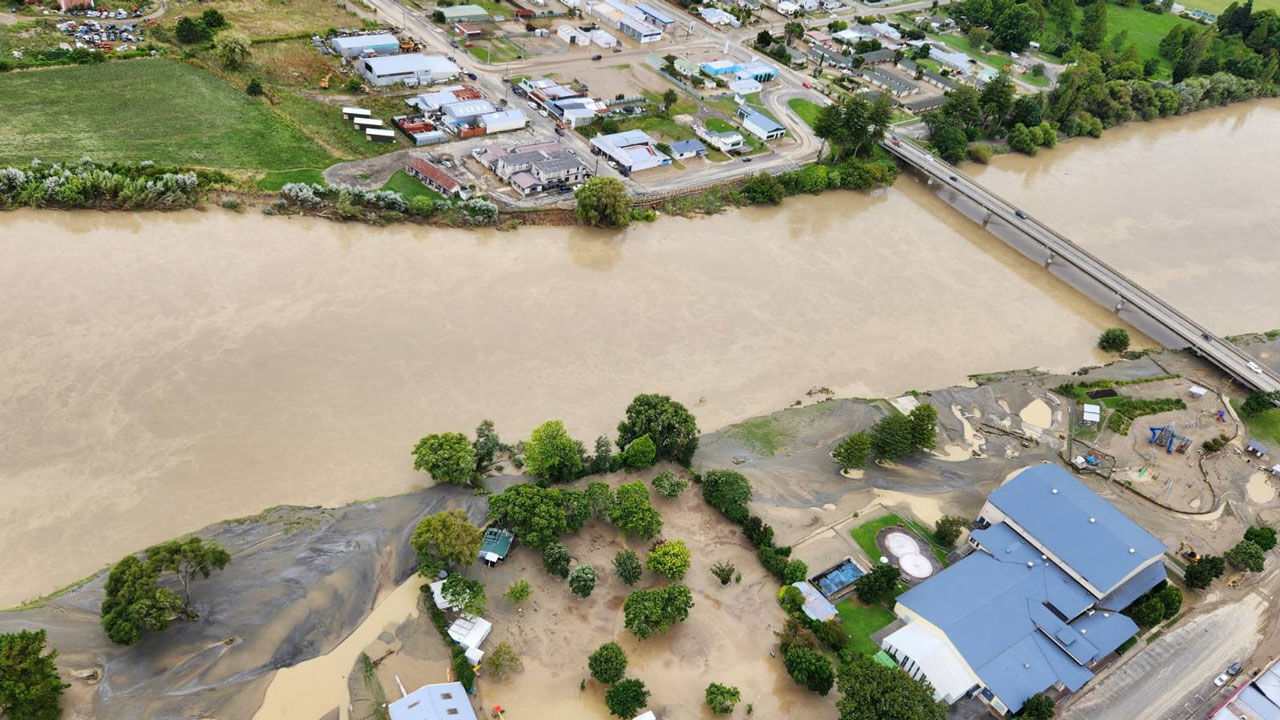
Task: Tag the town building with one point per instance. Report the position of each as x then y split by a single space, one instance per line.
442 701
725 142
433 101
466 112
572 35
654 15
568 105
754 70
632 150
603 39
716 16
419 129
887 31
350 46
529 168
745 87
468 30
682 149
895 85
464 13
1036 606
1257 699
412 69
502 121
626 19
684 66
434 177
759 124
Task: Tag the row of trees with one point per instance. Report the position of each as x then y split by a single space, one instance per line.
135 601
894 437
101 185
1248 555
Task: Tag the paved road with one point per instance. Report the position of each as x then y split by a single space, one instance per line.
1225 355
1173 677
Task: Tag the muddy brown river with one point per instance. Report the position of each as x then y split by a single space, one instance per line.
164 371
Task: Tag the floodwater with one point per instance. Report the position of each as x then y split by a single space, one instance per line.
165 371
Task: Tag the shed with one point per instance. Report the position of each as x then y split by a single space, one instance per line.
1275 469
497 543
366 122
437 595
464 13
380 135
1092 413
354 112
468 30
816 606
441 701
470 632
1257 448
354 45
1197 391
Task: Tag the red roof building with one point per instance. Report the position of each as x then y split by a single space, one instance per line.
434 177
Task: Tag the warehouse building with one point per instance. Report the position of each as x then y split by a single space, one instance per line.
464 13
410 70
361 45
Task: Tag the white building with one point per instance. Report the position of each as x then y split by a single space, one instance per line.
887 31
354 45
412 69
572 35
603 39
504 121
442 701
632 150
725 142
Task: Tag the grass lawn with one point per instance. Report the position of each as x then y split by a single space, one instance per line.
33 35
324 123
1143 29
135 110
751 141
684 105
865 535
861 621
663 129
1217 6
1264 427
271 18
997 60
495 50
806 109
409 186
277 179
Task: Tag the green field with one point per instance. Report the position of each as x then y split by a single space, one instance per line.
751 141
865 535
1217 6
663 129
861 621
410 187
807 110
996 59
1264 427
277 179
137 110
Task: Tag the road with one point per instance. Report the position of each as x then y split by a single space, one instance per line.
1128 294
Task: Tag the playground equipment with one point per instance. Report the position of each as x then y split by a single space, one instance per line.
1166 436
1221 415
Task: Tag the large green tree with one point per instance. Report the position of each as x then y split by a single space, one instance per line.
877 585
811 669
875 692
552 455
1264 536
626 698
648 612
608 664
670 425
1094 31
722 698
1016 27
536 514
924 426
632 512
1038 707
449 457
465 594
727 491
854 125
443 539
30 688
1201 572
188 558
853 452
893 438
669 559
996 99
1246 556
603 202
134 601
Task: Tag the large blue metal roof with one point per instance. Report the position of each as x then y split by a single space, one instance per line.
1073 523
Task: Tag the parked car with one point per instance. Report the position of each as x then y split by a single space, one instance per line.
533 105
1020 214
1234 670
1221 679
746 159
543 113
473 76
597 57
808 86
559 130
953 178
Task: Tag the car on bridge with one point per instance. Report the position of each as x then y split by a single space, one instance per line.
1020 213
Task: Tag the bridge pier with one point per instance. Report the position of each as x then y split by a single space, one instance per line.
1049 260
986 218
1119 305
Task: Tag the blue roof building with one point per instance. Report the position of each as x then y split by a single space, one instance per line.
1038 603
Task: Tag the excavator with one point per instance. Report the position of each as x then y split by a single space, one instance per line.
1188 551
324 82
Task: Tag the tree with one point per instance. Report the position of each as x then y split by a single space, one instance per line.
1062 16
670 425
877 585
443 539
465 594
603 202
1094 30
626 698
1261 535
978 36
997 98
948 528
639 453
722 698
727 491
628 566
893 438
599 499
1171 598
502 660
854 125
608 664
668 485
795 571
1028 111
232 49
582 580
1148 613
551 454
188 558
1021 139
924 426
449 457
1114 340
535 513
1258 403
853 451
724 571
518 591
791 599
762 189
486 445
1200 573
190 31
134 601
577 509
669 559
875 692
602 459
764 38
810 669
1038 707
30 688
950 141
758 532
1015 28
792 30
555 558
212 19
648 612
1245 556
832 634
254 88
633 514
669 98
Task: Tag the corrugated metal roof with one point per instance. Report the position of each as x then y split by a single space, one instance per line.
413 62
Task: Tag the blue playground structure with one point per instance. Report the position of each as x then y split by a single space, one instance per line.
1167 437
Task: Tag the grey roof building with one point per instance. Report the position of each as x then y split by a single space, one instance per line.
442 701
1037 605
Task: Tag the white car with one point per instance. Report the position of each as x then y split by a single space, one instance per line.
1254 367
532 104
1221 679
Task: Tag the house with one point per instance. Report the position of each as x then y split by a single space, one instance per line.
895 85
496 544
1038 603
632 150
716 16
682 149
357 45
410 69
887 31
725 142
787 8
531 168
468 30
431 175
855 33
1258 698
464 13
441 701
685 67
759 124
877 57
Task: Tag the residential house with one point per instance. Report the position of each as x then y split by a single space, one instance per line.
682 149
855 33
887 31
441 701
468 30
725 142
434 177
464 13
632 150
684 66
1036 607
535 167
357 45
412 69
759 124
716 16
895 85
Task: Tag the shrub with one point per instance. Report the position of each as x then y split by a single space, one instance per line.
628 566
608 664
811 669
213 19
1262 536
791 599
1038 707
723 571
1245 556
668 485
463 671
980 154
1148 613
727 491
722 698
773 561
796 634
1171 599
948 528
832 633
502 660
669 559
877 585
1114 340
555 558
795 571
639 453
762 189
254 87
519 591
647 612
190 31
758 532
626 698
582 580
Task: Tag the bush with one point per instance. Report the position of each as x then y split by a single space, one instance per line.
832 634
582 580
668 485
1262 536
1114 340
727 491
502 660
723 571
254 88
633 514
1258 403
948 528
626 698
722 698
980 154
811 669
762 189
648 612
1149 613
213 19
190 32
791 599
1171 599
772 561
555 558
518 591
877 585
669 559
758 532
1038 707
628 566
608 664
853 451
463 671
1245 556
639 453
795 571
796 634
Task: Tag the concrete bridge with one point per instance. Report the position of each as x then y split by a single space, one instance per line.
1086 272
